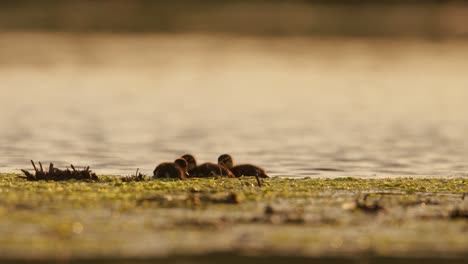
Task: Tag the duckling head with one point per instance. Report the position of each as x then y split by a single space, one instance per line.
182 164
191 161
226 161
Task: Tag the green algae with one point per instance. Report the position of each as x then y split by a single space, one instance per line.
307 217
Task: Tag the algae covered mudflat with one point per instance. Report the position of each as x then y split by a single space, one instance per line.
233 218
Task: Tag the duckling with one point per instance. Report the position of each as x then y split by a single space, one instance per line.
206 169
191 162
176 169
225 160
211 169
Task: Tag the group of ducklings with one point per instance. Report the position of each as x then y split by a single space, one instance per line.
186 167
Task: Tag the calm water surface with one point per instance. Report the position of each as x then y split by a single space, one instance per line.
298 107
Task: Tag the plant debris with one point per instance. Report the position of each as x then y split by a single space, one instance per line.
165 200
231 198
55 174
138 177
269 210
202 223
273 216
259 182
199 199
458 213
419 202
364 206
191 200
369 208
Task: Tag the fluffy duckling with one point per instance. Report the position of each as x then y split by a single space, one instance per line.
211 169
191 162
176 169
225 160
206 169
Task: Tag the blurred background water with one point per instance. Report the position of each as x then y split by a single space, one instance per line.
302 88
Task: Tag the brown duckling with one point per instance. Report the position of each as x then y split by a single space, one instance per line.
191 162
176 169
206 169
243 169
211 169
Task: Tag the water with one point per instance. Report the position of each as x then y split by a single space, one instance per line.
296 106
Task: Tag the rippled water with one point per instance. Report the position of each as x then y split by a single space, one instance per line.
298 107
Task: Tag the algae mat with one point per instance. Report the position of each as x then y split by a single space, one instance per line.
232 220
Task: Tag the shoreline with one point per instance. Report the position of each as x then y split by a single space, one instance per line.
233 258
208 220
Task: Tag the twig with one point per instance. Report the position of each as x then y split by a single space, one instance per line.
28 174
55 174
258 181
34 165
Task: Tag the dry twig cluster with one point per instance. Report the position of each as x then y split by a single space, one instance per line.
55 174
134 178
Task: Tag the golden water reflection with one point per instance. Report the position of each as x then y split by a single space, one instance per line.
297 106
